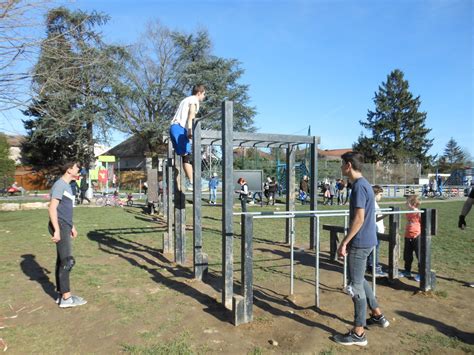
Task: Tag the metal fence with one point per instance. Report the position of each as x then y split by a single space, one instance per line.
375 173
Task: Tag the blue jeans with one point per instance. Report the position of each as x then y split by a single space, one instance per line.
213 195
363 294
370 259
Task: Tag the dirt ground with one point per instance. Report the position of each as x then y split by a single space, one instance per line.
173 305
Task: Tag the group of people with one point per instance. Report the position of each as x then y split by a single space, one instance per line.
357 245
339 190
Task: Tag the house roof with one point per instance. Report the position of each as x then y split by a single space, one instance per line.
15 141
134 146
333 153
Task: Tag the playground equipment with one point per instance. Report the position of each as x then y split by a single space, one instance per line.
243 305
174 239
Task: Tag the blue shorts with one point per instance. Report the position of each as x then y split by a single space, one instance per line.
180 140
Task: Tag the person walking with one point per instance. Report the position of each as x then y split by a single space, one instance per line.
83 187
357 245
213 183
62 230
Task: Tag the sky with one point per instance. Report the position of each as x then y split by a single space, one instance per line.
319 63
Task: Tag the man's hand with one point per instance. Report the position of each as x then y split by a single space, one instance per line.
73 232
342 250
56 236
462 222
190 133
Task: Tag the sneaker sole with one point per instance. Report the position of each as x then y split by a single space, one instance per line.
364 343
72 305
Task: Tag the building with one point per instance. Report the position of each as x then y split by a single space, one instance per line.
132 153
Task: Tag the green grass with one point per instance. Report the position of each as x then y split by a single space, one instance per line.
179 346
133 289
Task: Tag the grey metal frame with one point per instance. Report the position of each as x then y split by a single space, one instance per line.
227 138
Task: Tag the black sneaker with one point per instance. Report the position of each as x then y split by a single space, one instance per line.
381 321
351 338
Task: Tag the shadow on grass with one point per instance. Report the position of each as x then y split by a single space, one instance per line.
441 327
36 272
112 242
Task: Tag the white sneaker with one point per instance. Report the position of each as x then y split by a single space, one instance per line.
72 301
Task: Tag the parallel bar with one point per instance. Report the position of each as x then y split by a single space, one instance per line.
227 204
270 213
199 258
290 190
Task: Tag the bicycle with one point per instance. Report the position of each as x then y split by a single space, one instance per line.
107 200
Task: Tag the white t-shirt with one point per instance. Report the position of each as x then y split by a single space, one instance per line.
181 115
378 224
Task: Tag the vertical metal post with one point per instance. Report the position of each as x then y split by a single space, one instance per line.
393 244
345 257
426 280
168 243
180 213
374 259
227 204
313 189
316 257
292 260
164 186
290 190
242 305
199 258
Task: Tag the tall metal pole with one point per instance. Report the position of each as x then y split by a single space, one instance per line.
199 258
227 204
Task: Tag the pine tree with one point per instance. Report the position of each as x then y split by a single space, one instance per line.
453 157
7 165
72 80
398 127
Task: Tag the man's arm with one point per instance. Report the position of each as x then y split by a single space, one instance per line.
355 226
53 217
191 116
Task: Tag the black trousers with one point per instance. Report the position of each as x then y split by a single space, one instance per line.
63 253
411 245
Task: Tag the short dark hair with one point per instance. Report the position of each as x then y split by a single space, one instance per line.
356 160
241 180
64 166
199 88
377 189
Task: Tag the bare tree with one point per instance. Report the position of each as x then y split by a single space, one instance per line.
20 37
143 103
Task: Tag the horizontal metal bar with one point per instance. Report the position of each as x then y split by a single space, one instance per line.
299 212
208 115
261 138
